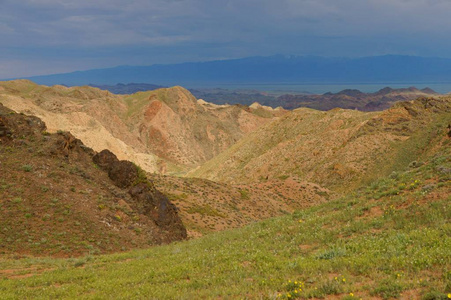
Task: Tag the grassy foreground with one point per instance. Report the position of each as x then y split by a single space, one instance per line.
391 239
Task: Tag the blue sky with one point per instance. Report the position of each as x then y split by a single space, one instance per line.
51 36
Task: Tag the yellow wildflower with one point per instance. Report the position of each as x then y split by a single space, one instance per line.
351 294
449 296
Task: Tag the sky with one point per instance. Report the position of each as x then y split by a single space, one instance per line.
40 37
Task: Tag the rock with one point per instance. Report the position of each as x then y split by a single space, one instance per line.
428 187
123 173
145 198
105 159
153 202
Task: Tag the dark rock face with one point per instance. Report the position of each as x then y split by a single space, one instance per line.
105 159
153 202
123 173
146 199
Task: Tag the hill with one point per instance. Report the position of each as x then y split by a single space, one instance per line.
386 240
339 149
165 130
60 198
272 69
188 126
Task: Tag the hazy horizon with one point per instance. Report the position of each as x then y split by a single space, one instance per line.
58 36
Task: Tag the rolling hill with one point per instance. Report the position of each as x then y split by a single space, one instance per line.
338 149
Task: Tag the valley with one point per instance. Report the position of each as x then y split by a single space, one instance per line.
257 202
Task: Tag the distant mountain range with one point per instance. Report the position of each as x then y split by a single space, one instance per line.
349 98
272 69
129 88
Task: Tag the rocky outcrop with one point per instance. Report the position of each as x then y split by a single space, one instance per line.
147 199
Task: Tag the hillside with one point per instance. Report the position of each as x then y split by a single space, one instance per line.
165 130
206 206
332 148
60 198
386 240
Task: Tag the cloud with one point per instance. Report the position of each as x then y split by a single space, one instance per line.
160 31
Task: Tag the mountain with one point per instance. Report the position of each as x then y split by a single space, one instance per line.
272 69
129 88
349 99
338 149
353 99
60 198
166 130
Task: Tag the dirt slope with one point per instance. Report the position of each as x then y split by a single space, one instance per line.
338 149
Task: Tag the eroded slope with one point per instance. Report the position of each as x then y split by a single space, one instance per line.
165 131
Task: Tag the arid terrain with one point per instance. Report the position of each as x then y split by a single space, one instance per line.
164 131
341 151
338 204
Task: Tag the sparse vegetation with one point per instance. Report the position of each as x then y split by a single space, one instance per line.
356 246
387 238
